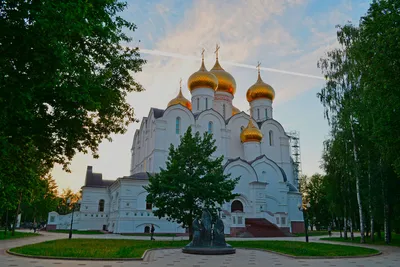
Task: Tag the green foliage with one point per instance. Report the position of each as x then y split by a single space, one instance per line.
315 191
193 180
361 99
117 248
65 74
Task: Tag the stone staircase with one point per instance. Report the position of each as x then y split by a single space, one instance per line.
259 227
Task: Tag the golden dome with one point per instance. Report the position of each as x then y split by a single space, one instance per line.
251 133
226 82
180 99
235 110
202 78
260 90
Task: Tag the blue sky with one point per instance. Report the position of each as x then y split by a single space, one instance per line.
285 35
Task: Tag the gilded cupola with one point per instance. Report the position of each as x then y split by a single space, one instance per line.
251 133
260 89
235 110
180 99
226 82
202 78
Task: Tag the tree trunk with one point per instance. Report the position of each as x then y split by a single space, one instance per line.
190 232
351 230
345 227
385 207
6 228
371 212
16 215
356 172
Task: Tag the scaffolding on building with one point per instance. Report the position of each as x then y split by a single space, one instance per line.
294 138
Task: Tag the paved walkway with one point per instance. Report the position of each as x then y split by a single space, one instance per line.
174 257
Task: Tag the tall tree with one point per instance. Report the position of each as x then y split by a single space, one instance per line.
339 97
192 180
65 74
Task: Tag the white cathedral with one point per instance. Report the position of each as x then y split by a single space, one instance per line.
254 147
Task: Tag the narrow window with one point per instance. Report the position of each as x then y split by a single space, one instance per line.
149 206
266 113
101 205
241 129
178 125
210 127
206 103
271 138
223 110
198 103
258 114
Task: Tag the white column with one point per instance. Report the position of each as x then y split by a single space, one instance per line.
202 99
223 104
261 109
251 150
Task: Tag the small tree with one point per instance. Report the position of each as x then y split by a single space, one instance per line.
193 180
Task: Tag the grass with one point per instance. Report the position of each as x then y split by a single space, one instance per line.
17 235
395 240
313 233
88 232
113 248
146 234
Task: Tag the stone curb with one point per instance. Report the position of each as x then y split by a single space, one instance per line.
148 251
313 257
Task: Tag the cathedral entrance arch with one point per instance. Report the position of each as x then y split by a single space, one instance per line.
237 205
147 229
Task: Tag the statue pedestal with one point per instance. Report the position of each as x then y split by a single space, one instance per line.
209 250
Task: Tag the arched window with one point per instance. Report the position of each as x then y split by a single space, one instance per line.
101 205
236 206
223 110
178 125
149 206
266 113
210 127
241 129
258 114
198 103
206 103
271 138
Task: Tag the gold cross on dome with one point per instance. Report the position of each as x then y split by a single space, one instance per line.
202 53
217 47
258 66
180 83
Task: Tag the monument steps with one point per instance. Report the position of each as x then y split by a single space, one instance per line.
259 227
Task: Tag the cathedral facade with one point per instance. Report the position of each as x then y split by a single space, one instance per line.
255 147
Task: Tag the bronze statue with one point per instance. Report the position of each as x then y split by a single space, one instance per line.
218 233
206 224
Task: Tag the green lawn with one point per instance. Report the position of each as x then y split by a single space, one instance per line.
89 232
313 233
17 235
112 248
395 240
146 234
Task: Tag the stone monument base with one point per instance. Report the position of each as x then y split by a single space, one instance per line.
209 250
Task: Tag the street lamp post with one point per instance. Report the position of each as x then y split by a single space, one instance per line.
74 205
304 208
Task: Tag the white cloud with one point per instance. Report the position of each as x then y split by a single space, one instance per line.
245 29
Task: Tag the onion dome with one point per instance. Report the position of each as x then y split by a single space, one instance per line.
251 133
260 90
235 110
202 78
180 99
226 82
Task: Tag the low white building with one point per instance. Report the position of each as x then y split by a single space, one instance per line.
255 147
